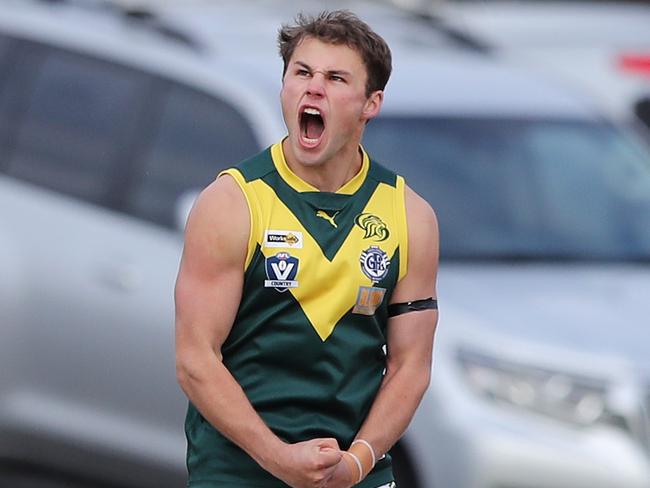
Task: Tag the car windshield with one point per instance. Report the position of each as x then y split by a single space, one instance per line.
516 189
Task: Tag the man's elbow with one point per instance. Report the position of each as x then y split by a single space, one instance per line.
183 373
195 367
416 375
422 379
188 371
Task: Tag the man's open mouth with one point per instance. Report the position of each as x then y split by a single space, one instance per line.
312 125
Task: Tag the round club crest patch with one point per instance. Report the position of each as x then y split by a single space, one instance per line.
374 263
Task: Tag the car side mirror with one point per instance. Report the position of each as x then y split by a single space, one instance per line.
183 207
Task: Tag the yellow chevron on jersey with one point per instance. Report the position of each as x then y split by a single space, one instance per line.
327 286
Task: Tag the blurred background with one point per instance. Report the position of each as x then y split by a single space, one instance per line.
525 125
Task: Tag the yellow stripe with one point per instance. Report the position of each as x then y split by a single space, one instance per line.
355 183
402 226
320 280
251 200
287 175
302 186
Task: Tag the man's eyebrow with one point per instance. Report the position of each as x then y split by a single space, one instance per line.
328 72
339 72
304 65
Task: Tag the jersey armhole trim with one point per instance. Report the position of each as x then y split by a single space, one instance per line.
254 226
402 226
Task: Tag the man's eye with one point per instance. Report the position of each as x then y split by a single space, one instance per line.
337 78
302 72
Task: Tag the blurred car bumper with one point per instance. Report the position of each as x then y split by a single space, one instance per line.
478 443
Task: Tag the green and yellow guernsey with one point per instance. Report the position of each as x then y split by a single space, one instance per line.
307 345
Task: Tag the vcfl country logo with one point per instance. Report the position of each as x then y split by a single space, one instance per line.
281 271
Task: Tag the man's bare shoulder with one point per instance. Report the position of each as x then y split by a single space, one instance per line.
420 213
220 197
219 222
221 202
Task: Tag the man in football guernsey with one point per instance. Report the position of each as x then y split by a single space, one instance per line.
305 300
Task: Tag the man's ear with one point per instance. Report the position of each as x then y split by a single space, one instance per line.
373 104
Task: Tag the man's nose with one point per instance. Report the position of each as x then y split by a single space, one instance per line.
316 85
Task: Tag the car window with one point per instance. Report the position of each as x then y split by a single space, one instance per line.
79 115
596 187
524 189
198 136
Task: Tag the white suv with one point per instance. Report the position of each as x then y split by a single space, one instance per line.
109 121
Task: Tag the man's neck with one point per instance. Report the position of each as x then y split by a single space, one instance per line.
330 175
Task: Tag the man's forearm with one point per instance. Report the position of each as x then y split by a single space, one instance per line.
216 394
220 399
399 396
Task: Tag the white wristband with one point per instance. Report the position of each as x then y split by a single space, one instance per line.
372 451
356 460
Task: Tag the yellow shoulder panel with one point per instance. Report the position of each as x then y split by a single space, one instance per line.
402 226
253 212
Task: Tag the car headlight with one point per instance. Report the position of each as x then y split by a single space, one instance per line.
580 400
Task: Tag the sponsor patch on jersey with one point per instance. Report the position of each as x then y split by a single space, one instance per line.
374 263
281 271
373 226
283 238
368 300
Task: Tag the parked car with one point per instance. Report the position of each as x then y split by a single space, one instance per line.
110 121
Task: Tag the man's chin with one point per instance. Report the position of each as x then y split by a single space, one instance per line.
309 155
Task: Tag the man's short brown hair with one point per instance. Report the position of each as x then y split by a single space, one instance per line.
341 27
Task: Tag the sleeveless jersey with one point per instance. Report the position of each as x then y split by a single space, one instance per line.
308 342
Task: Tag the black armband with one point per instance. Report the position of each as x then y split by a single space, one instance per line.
414 306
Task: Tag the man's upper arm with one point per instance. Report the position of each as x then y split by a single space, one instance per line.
410 335
210 278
